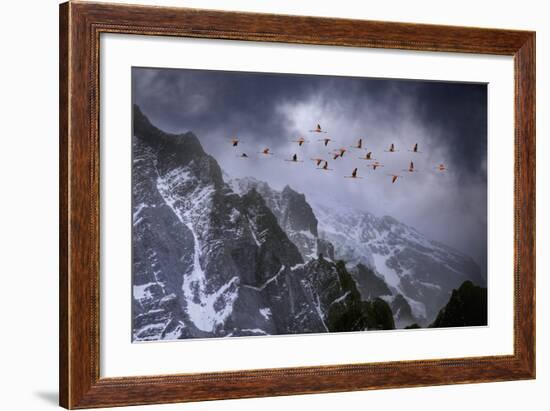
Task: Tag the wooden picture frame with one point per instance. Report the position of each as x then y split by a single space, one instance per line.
80 27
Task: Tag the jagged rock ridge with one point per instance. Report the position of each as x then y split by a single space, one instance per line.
466 307
387 258
294 214
422 271
209 262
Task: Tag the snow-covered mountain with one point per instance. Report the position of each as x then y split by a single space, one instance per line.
212 262
294 214
381 253
219 257
423 271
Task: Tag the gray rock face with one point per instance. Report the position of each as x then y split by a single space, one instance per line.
466 307
325 248
405 262
369 284
210 262
294 215
402 312
196 242
338 302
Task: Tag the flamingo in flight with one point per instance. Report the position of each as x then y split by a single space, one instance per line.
300 141
415 149
294 159
266 152
375 165
317 129
368 156
325 141
318 161
341 151
325 167
353 174
359 144
391 149
394 177
411 168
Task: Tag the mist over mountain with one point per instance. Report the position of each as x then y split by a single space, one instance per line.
381 253
448 120
215 256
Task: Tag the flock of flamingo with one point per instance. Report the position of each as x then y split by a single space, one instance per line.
323 164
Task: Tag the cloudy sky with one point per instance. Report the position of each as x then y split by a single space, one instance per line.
447 120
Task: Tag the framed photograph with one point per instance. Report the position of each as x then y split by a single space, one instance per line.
259 205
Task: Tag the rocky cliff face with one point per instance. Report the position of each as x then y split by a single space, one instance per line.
402 311
294 214
196 242
466 307
370 285
385 257
212 262
337 300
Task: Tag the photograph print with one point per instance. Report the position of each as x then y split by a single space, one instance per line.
274 204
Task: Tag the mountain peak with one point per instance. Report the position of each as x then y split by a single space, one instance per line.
287 189
140 120
390 220
292 211
175 150
145 130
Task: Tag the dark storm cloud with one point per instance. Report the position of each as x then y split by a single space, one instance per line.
459 111
200 99
180 100
448 120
